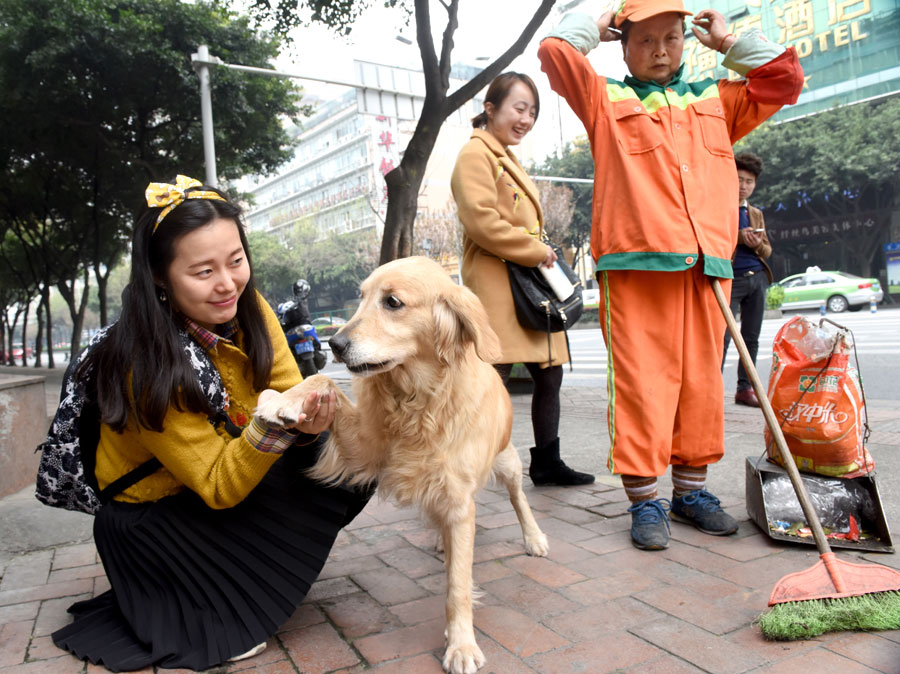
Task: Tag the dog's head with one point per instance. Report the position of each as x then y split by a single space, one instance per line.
411 309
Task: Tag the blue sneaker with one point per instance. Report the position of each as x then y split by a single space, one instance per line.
650 524
702 509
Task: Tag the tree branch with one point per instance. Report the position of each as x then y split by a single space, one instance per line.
481 80
426 47
447 43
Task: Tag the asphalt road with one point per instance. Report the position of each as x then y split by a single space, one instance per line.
877 342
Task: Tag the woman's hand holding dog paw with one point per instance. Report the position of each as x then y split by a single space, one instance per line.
312 414
319 413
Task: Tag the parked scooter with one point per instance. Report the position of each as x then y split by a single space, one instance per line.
300 332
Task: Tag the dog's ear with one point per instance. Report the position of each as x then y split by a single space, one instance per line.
460 318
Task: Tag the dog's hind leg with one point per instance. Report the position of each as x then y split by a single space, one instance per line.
463 656
508 470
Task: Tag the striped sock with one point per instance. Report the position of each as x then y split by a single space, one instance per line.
686 479
639 488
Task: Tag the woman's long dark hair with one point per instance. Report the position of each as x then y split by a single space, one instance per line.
144 346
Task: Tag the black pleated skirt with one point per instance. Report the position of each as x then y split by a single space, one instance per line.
191 586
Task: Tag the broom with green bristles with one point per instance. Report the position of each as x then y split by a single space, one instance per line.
833 595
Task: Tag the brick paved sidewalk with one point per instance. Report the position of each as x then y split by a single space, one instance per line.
595 604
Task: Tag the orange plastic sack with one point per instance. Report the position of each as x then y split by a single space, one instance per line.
818 400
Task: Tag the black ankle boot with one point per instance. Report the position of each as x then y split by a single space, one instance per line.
547 468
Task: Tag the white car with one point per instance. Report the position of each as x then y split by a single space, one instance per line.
590 297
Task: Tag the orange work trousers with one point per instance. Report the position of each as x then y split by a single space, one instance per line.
663 333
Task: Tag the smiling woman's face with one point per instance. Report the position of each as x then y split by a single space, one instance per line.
208 273
654 48
514 117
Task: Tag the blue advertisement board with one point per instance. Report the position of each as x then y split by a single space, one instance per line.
892 256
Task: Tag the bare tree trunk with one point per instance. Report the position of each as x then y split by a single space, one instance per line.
102 283
39 338
76 312
25 334
404 181
49 325
403 185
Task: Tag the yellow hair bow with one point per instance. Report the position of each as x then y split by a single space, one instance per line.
167 197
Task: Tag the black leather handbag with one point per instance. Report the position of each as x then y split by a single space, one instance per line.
537 306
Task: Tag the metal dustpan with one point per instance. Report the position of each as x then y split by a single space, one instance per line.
830 578
772 504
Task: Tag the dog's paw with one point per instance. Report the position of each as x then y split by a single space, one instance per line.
537 546
279 410
285 409
465 658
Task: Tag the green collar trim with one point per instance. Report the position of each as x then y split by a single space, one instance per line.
654 99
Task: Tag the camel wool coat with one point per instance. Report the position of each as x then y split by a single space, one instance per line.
500 210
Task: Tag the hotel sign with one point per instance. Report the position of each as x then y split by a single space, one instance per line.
842 44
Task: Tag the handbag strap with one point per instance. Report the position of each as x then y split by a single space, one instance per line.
565 332
146 469
132 477
549 350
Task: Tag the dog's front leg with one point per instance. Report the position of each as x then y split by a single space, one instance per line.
508 470
463 656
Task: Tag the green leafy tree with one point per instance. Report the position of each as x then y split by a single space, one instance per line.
574 161
835 164
275 266
100 99
404 181
334 265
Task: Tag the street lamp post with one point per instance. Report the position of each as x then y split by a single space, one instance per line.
201 65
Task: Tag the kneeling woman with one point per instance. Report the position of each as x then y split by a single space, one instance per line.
213 550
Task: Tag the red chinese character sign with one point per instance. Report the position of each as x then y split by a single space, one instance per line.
384 131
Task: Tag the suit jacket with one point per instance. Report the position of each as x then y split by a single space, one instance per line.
500 210
764 249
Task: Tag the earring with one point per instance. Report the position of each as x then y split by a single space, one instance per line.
162 295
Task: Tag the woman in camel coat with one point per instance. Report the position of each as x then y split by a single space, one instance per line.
500 210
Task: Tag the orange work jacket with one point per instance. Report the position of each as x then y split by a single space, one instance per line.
665 181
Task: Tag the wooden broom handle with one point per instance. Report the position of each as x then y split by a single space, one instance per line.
789 464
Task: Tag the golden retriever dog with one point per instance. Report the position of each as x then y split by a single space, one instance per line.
431 422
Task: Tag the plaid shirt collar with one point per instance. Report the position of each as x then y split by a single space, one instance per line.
208 340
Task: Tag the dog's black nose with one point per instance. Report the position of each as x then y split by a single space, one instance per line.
338 344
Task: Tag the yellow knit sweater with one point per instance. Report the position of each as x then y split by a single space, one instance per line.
222 470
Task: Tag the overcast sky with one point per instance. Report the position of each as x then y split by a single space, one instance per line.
486 29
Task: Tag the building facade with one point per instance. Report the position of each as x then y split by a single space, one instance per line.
335 181
331 180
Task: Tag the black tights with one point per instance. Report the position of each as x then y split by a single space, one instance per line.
544 400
